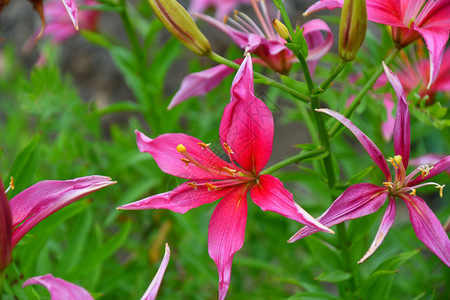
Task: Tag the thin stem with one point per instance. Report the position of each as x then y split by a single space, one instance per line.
348 264
280 5
293 159
265 80
327 83
134 41
348 112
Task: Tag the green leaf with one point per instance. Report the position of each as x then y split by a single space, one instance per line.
24 166
296 85
358 177
325 254
313 296
96 38
97 256
117 107
333 276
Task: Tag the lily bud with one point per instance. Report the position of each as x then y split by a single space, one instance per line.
281 29
180 24
5 230
352 29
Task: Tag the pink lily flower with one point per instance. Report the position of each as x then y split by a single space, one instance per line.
72 10
60 289
44 198
246 134
266 44
222 7
409 21
365 198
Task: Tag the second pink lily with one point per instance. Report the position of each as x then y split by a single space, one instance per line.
246 135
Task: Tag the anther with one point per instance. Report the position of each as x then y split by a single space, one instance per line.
441 190
413 192
186 161
396 161
389 184
227 147
232 172
192 185
210 186
11 185
204 145
181 148
425 169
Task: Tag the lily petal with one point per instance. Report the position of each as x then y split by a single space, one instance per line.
439 167
322 4
436 38
226 234
164 150
152 290
200 83
182 199
247 123
5 230
271 195
72 10
385 12
357 201
366 142
59 289
386 224
427 227
402 129
47 197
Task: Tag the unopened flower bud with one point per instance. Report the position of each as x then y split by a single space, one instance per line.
178 21
352 29
5 230
281 29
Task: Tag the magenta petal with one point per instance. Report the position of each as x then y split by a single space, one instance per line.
367 143
387 127
386 224
402 129
357 201
435 38
270 195
322 4
182 199
164 150
5 230
47 197
439 167
385 12
317 45
247 123
200 83
226 234
72 10
59 289
428 228
152 290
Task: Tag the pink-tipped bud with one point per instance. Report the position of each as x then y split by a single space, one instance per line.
281 29
5 230
352 29
180 24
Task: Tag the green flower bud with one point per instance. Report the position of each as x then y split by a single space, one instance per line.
178 21
352 29
281 29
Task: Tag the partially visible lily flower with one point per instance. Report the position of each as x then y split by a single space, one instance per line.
365 198
409 21
60 26
246 135
264 43
60 289
5 231
222 7
44 198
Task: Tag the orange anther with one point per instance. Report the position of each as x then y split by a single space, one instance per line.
230 171
192 185
210 186
227 147
204 145
186 161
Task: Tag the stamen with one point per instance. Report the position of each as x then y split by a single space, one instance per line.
230 171
441 190
413 192
210 186
11 185
203 145
388 184
247 22
181 148
425 169
192 185
261 19
236 24
186 161
396 161
227 147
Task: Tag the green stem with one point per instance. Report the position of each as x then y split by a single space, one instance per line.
2 282
265 80
280 5
327 83
134 41
348 263
293 159
348 112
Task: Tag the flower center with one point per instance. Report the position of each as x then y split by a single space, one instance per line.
401 181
